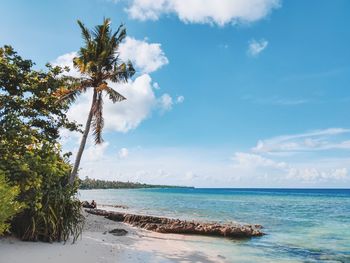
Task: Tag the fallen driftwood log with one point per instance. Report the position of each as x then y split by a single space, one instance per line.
167 225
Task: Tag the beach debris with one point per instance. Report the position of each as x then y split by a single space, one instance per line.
86 204
115 206
177 226
118 232
121 206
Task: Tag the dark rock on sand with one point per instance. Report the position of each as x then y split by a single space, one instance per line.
168 225
86 204
118 232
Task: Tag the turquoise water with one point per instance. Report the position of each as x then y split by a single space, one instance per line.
301 225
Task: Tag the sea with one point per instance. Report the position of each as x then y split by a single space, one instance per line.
301 225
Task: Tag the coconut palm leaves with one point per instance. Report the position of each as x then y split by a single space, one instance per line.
99 64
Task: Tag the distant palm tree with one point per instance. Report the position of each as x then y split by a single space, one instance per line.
98 62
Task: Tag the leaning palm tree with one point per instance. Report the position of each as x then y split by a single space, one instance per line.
99 64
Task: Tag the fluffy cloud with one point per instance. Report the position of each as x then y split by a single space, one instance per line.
66 60
256 47
156 85
166 102
180 99
248 160
123 153
311 141
146 57
204 11
122 116
95 152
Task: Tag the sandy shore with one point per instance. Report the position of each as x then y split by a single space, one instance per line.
97 245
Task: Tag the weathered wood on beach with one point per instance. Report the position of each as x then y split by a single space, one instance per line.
177 226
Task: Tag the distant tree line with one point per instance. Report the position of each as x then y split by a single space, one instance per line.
89 183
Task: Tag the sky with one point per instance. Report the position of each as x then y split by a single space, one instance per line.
228 93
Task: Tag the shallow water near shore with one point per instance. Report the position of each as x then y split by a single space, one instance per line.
302 225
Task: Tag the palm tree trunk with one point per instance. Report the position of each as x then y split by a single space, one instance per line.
83 141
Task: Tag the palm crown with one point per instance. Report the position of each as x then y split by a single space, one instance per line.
99 64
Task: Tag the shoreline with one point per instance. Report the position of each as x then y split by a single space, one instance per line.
97 245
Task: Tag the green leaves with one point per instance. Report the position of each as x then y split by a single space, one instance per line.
9 207
29 96
31 160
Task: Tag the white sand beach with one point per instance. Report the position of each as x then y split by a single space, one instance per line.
97 245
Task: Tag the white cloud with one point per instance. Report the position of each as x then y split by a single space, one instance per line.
256 47
204 11
248 160
311 141
205 168
123 153
314 174
156 85
122 116
259 165
211 167
146 57
180 99
190 176
166 102
95 152
66 60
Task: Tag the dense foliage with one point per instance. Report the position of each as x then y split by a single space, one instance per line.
88 183
8 204
31 158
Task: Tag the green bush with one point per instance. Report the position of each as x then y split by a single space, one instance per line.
8 204
53 213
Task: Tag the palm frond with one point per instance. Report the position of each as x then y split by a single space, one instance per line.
122 72
84 32
67 95
71 93
119 35
114 96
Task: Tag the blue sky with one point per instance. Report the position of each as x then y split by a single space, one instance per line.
245 93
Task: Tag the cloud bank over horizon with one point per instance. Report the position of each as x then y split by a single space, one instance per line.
222 167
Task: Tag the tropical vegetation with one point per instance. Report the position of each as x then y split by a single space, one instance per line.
8 204
36 172
38 184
